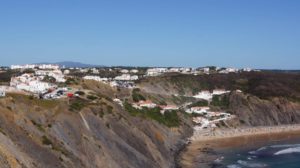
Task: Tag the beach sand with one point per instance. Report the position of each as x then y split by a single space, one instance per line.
201 152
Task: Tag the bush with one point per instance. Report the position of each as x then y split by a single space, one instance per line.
200 103
77 105
46 141
81 93
220 101
91 97
136 96
49 79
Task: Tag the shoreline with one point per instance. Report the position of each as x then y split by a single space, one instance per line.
201 151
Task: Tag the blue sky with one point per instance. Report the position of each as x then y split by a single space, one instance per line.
238 33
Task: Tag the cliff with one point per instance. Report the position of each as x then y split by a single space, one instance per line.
255 111
42 133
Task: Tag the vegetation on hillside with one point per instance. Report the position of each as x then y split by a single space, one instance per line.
261 84
199 103
220 101
169 118
136 95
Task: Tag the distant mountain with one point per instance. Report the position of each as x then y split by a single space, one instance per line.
70 64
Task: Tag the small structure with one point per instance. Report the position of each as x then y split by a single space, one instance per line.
168 107
2 93
70 95
141 104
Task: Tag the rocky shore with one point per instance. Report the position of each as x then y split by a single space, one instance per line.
201 151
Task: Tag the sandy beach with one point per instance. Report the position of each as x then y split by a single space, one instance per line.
201 151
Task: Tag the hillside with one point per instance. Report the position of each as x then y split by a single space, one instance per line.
50 133
261 84
267 98
95 131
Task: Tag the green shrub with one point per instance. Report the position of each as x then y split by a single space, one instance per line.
39 126
81 93
91 97
200 103
220 101
49 79
136 96
77 104
46 141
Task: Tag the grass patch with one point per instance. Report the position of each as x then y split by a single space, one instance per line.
77 104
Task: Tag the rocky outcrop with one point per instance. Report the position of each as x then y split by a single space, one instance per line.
254 111
46 134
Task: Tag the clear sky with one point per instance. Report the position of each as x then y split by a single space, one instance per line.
238 33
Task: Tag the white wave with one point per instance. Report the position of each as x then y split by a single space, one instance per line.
288 151
274 147
258 150
285 146
234 166
219 160
251 165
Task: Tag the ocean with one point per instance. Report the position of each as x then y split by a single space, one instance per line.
284 154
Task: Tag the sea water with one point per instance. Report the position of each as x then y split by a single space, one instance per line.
279 155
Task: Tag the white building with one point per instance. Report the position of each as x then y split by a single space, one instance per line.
48 66
57 74
174 70
168 107
95 71
206 70
96 78
198 110
32 66
247 69
134 71
156 71
126 77
229 70
141 104
30 83
206 95
27 66
220 91
66 72
185 70
124 71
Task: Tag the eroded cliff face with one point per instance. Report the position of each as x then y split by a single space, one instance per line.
254 111
47 134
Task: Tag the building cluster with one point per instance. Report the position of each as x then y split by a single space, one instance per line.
114 82
31 83
149 104
56 74
160 71
194 71
205 117
35 66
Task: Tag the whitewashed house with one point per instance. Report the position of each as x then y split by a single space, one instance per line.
126 77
